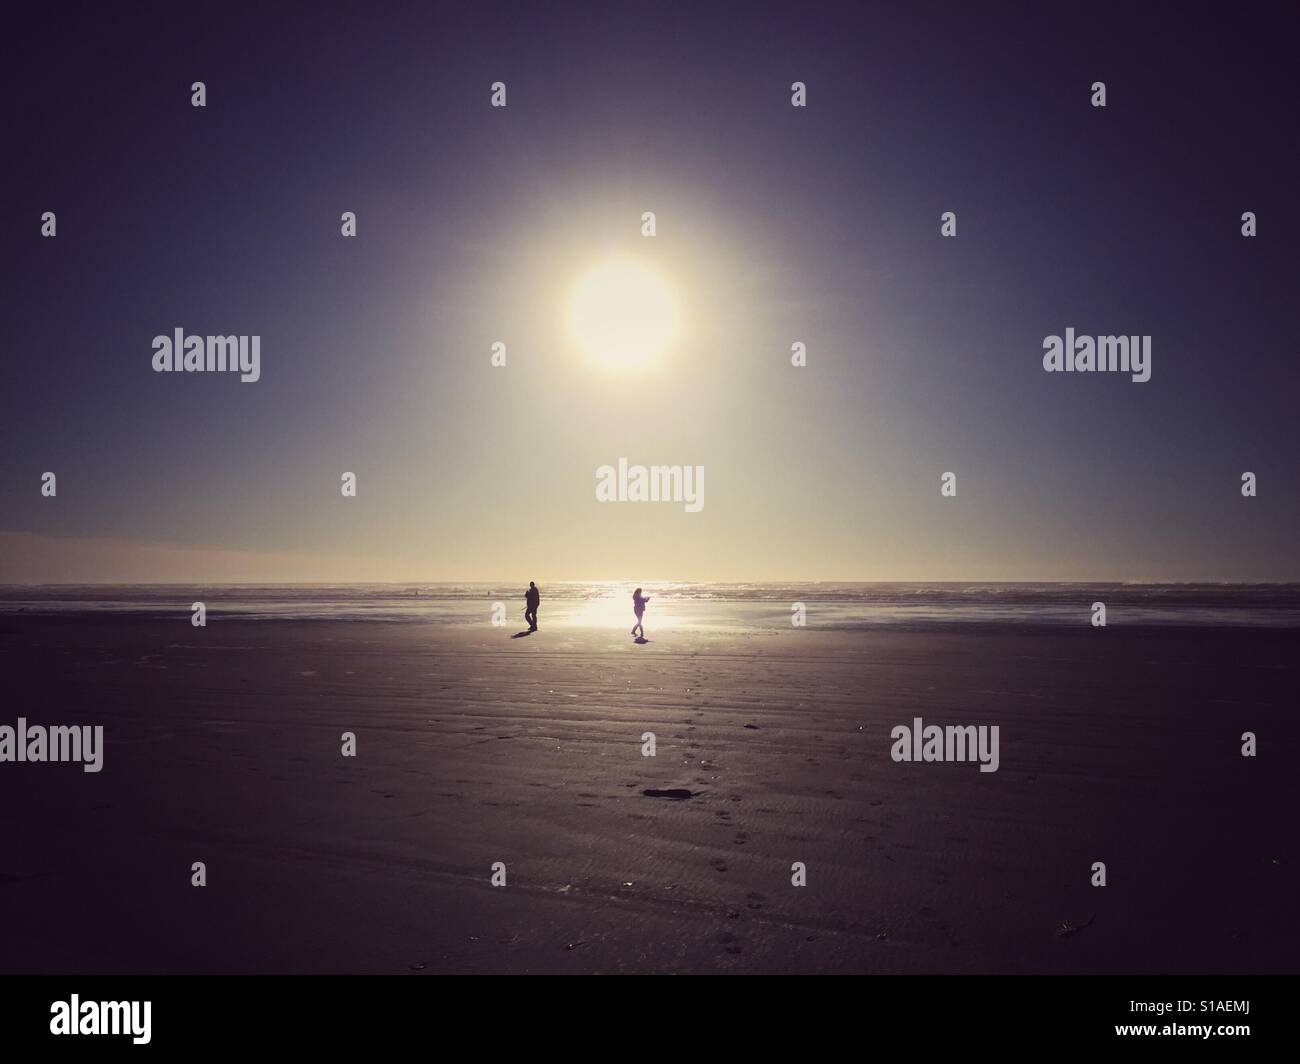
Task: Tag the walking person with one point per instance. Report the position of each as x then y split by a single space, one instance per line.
531 601
638 607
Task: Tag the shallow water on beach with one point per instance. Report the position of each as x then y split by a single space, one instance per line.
721 606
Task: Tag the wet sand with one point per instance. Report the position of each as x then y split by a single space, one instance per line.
223 746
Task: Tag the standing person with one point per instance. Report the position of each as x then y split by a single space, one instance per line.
638 606
531 601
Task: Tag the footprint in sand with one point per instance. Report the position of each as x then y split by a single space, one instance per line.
754 900
728 942
718 864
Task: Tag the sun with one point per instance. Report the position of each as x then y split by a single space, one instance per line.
622 313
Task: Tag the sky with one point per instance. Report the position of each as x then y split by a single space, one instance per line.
774 225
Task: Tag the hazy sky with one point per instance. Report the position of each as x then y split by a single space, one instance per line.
775 224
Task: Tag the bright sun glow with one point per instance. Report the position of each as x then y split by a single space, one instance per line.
622 313
612 609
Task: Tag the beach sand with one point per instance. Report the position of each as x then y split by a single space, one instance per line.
223 746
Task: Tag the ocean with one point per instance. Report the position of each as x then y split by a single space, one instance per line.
769 605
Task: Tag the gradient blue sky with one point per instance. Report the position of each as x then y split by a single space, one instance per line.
775 224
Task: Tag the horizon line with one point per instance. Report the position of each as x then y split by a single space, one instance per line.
643 581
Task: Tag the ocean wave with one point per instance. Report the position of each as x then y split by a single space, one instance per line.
845 604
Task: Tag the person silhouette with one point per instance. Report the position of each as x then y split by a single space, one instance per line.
638 606
531 601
